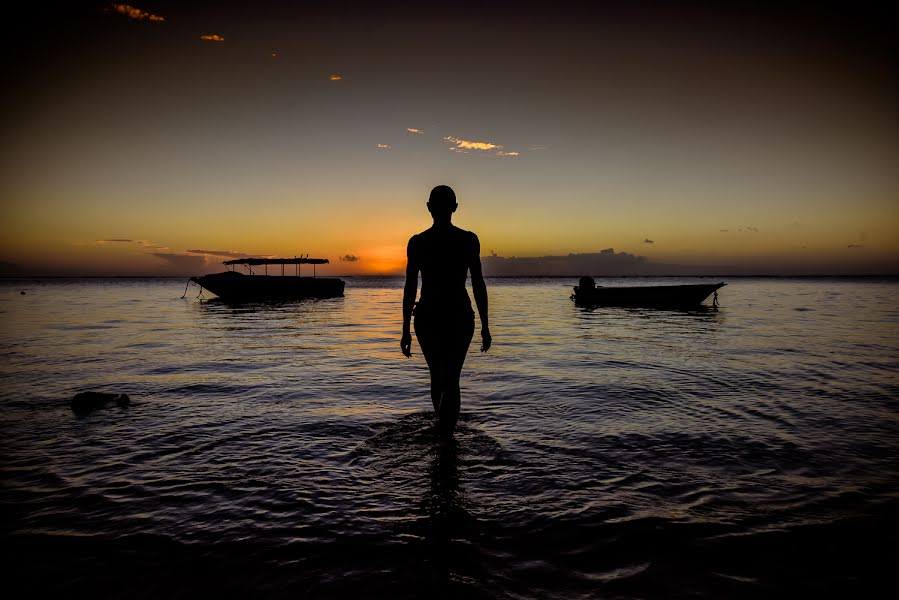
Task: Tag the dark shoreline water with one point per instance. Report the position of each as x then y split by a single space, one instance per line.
287 450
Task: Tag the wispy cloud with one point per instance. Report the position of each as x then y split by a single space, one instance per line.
414 130
752 229
135 13
724 230
467 146
150 245
335 77
648 241
459 143
384 146
855 246
225 253
537 148
212 37
143 243
349 258
183 262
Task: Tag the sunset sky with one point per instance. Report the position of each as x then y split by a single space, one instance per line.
163 137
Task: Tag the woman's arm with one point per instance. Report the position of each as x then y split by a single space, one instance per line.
409 293
480 293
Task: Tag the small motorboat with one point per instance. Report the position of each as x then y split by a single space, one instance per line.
587 293
239 287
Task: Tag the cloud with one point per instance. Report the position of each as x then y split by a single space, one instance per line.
752 229
466 146
143 243
724 230
469 145
384 146
414 130
537 148
605 261
855 246
349 258
225 253
185 263
648 241
135 13
212 37
150 245
335 77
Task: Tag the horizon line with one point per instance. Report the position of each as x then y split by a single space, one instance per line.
399 275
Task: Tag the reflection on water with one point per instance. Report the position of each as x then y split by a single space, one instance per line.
408 453
287 448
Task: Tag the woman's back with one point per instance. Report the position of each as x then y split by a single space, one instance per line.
443 256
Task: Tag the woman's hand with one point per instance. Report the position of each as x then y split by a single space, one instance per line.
486 339
406 344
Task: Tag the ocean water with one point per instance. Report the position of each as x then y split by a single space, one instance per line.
287 450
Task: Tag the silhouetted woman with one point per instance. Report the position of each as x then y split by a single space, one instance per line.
444 321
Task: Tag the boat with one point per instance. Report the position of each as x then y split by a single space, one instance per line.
688 296
234 286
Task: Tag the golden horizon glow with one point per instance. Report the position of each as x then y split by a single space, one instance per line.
384 254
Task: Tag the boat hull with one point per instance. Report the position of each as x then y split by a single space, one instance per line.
652 296
236 287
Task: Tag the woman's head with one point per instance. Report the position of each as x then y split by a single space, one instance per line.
442 202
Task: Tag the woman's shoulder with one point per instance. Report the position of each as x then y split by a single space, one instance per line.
469 238
464 233
456 234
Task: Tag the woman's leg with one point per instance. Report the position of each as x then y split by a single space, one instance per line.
445 349
435 367
451 372
451 400
425 335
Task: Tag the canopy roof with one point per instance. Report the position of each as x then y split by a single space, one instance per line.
276 261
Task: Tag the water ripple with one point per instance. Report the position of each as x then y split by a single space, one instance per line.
288 449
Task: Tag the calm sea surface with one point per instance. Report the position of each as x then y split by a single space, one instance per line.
288 449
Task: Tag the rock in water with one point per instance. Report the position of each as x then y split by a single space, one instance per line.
86 402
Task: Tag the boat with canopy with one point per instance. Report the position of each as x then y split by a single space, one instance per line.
234 286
